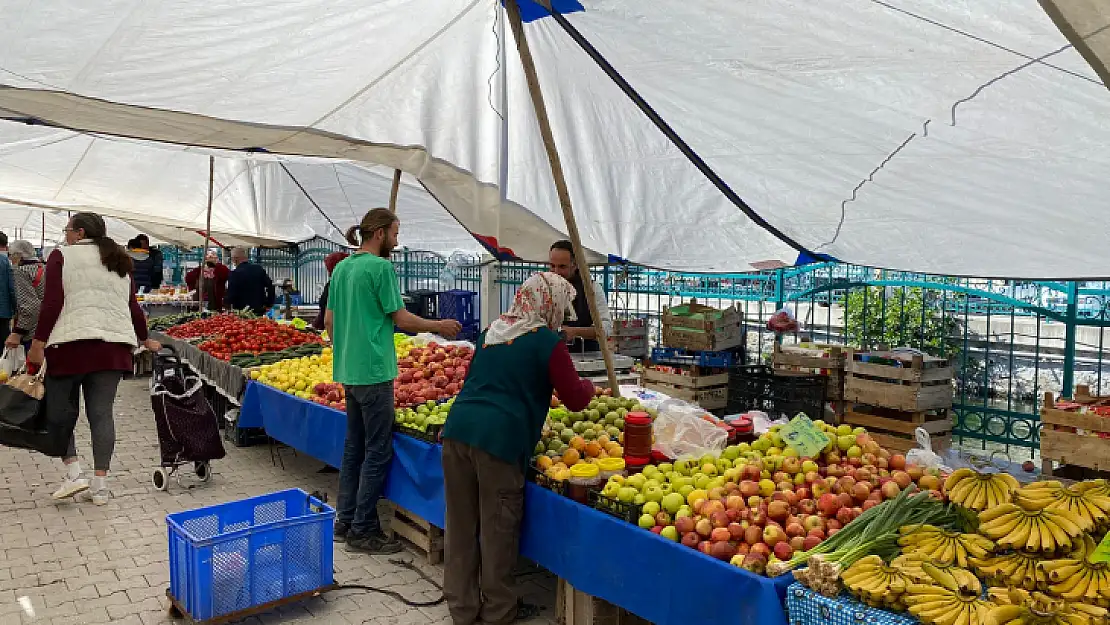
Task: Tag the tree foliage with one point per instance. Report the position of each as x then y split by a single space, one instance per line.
899 317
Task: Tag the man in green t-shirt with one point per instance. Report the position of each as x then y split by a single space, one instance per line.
364 304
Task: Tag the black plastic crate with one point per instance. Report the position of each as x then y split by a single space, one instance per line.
424 303
430 435
756 387
626 511
558 487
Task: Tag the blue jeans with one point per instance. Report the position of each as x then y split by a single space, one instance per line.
366 456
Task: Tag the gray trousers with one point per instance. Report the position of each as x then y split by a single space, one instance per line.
63 405
485 506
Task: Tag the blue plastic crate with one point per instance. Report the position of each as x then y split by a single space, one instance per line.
680 356
470 331
243 554
458 305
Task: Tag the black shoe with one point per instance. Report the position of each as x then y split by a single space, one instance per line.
377 545
341 531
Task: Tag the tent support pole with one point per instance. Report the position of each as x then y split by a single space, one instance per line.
201 286
560 184
394 190
43 246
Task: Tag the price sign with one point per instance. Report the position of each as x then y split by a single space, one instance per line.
804 437
1102 552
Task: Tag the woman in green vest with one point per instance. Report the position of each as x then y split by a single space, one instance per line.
489 439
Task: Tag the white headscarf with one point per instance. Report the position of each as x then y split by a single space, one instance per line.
544 300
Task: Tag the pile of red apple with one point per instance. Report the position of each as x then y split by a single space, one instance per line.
433 372
330 394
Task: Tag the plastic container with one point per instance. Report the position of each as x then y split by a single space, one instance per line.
756 387
423 303
609 467
634 465
584 477
637 435
243 554
458 305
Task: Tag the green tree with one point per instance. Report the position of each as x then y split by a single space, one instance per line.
897 317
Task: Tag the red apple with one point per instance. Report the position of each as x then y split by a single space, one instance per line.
734 502
783 551
817 533
801 494
716 493
844 515
703 527
748 488
720 534
753 535
861 491
897 462
792 465
832 524
846 500
870 503
864 475
743 548
795 529
845 485
657 529
691 540
828 504
832 532
758 517
714 505
811 541
890 490
812 477
820 489
719 518
662 518
736 531
684 525
733 515
901 478
722 550
778 510
807 506
705 547
797 543
761 549
756 561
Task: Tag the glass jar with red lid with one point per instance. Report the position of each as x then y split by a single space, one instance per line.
638 437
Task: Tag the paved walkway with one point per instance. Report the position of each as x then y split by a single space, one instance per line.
72 562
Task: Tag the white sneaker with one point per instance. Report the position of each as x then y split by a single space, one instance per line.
99 491
71 487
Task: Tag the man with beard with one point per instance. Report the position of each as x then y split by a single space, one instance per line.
364 304
580 333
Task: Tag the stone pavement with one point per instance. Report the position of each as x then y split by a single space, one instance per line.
71 562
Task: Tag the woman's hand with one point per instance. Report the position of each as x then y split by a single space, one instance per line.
13 341
37 354
152 346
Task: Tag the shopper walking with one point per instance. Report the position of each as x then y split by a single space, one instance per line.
495 424
30 285
248 285
88 326
330 261
364 304
215 281
7 288
147 264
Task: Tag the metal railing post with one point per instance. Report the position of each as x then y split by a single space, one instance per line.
1071 318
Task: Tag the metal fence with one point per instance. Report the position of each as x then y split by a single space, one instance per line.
1009 341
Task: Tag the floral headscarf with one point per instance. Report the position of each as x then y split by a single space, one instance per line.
544 300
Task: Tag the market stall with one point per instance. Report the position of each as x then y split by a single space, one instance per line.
598 554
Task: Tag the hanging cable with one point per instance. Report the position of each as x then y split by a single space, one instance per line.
309 197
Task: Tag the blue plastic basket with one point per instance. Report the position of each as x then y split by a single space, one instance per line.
458 305
244 554
680 356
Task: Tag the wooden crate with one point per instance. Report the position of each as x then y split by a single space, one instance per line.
724 331
1072 448
922 383
894 429
710 391
789 360
422 535
574 607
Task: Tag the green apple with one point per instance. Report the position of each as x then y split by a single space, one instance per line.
682 467
627 494
667 488
673 502
611 490
636 481
766 488
666 468
684 511
652 508
670 533
844 430
685 490
707 459
732 452
723 464
638 500
809 466
653 493
701 481
845 441
647 521
651 483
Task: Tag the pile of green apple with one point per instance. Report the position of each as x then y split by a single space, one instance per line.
761 502
429 413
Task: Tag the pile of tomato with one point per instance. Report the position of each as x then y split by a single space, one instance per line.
228 335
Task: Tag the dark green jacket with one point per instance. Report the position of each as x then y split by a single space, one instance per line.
504 401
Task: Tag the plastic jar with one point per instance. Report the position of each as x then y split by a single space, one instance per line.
637 435
634 465
610 467
584 477
743 430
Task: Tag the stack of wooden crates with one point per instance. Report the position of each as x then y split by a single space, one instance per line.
1076 439
630 338
808 359
894 393
696 327
693 364
574 607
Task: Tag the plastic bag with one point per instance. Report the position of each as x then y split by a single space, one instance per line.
682 431
783 321
455 262
12 361
424 338
923 455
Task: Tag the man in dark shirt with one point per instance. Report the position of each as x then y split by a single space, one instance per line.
249 286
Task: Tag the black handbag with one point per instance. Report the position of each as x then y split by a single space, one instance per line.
21 398
23 420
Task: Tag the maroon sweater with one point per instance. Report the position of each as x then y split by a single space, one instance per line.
85 356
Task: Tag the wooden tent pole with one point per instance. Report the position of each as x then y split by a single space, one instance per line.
203 288
394 190
43 246
560 185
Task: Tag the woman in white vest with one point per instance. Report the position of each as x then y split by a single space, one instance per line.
89 325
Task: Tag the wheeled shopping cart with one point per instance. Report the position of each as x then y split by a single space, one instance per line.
188 429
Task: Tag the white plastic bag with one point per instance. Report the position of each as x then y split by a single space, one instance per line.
680 431
12 360
923 455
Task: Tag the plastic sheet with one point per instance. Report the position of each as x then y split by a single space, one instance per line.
680 431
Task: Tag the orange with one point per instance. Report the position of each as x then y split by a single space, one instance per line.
592 449
570 457
615 450
578 443
544 463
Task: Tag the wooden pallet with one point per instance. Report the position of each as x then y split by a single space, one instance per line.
788 360
922 382
422 535
708 391
1070 447
574 607
894 429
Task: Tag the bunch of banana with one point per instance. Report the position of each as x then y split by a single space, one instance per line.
1078 579
979 491
1036 531
911 565
1016 569
875 583
951 596
1087 500
944 546
1042 603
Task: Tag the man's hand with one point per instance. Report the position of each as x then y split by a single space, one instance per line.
13 341
448 328
571 333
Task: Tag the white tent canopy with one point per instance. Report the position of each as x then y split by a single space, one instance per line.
961 138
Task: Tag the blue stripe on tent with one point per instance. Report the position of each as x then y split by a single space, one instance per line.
531 11
807 259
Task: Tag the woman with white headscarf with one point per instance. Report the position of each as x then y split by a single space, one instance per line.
489 439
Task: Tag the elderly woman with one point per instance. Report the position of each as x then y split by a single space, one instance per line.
330 261
495 424
215 276
29 272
